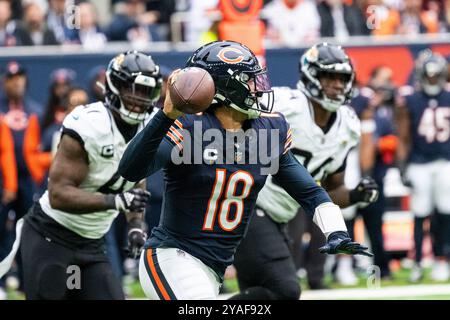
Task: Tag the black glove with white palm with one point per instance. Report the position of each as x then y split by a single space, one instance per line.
133 200
340 242
365 193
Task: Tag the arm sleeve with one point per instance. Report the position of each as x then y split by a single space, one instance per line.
148 151
299 184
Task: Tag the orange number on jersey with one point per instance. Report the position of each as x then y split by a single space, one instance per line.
230 198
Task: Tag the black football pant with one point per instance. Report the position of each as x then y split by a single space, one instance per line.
373 220
264 264
51 271
440 233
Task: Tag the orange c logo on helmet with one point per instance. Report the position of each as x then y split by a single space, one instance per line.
222 55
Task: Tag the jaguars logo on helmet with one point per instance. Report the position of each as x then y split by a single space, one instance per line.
318 61
241 83
133 85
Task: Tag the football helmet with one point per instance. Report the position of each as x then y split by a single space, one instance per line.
431 72
241 83
317 62
133 85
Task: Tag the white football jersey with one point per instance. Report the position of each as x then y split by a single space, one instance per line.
321 153
104 145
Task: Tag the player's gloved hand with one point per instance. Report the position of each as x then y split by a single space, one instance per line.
366 191
132 200
136 241
340 242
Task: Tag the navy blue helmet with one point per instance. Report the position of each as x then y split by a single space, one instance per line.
241 83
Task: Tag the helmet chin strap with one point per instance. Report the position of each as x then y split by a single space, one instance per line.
326 103
251 113
330 105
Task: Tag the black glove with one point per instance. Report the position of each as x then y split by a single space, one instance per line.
136 241
137 236
340 242
366 191
133 200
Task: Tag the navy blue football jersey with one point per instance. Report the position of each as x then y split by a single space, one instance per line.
430 125
213 177
211 198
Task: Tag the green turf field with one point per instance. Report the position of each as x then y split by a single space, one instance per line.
399 279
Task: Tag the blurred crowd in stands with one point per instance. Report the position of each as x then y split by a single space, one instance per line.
96 22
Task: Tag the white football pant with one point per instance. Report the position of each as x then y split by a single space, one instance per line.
173 274
430 187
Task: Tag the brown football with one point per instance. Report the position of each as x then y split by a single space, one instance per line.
192 90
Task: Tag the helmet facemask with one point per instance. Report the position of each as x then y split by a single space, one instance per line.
248 92
137 97
133 85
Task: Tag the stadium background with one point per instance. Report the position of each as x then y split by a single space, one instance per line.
399 57
396 51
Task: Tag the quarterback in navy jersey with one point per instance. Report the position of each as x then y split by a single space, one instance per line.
423 122
211 184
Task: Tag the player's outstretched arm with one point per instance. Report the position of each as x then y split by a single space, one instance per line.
297 181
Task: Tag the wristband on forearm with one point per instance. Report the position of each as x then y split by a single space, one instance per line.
328 217
110 200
